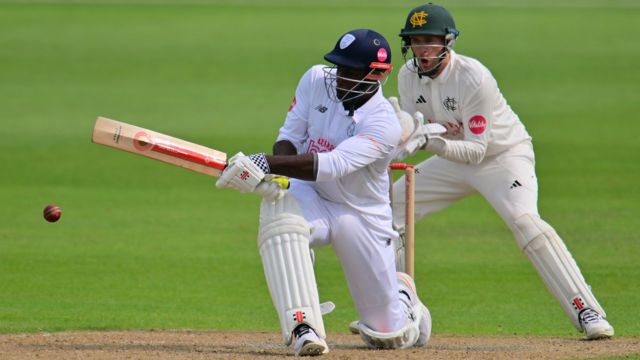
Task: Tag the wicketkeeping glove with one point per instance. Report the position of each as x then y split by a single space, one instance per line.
412 138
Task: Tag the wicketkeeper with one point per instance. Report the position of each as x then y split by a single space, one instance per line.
486 150
336 143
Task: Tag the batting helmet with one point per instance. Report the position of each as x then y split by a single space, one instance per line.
364 50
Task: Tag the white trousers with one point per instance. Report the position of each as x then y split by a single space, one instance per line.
362 243
507 181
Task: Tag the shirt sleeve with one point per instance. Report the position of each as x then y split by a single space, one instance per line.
296 124
374 142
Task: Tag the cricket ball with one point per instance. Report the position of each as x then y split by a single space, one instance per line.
52 213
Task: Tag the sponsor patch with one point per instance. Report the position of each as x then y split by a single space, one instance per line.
382 54
477 124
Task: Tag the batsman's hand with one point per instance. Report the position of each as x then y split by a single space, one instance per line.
243 173
273 187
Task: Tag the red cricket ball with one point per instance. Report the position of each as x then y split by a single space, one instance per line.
52 213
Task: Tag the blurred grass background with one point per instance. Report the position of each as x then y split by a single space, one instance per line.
142 245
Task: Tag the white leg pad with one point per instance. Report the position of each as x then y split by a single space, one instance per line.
283 241
399 248
559 271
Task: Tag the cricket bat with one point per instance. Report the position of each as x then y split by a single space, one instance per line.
168 149
151 144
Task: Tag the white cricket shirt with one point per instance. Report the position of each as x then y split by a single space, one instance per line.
466 96
354 152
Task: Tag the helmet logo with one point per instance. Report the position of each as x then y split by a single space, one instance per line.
346 41
382 54
418 18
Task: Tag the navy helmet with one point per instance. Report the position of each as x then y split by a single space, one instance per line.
362 50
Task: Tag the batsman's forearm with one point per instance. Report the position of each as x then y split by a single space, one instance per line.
295 166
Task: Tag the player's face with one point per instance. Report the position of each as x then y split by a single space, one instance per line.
348 79
427 50
351 83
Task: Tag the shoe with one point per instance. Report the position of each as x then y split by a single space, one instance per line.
353 327
409 296
596 326
308 343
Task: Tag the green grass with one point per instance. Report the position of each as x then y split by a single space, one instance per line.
143 245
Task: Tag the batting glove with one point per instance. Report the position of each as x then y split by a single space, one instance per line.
272 187
244 173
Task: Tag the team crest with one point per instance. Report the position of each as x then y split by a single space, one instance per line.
450 104
418 18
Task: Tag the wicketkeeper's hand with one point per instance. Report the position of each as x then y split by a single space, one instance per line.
432 133
412 137
244 173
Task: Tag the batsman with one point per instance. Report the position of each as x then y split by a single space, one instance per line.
485 149
336 144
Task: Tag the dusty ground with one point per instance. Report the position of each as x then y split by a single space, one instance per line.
158 345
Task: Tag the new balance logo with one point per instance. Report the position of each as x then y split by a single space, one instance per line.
515 184
421 100
321 108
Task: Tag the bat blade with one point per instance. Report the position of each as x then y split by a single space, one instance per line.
155 145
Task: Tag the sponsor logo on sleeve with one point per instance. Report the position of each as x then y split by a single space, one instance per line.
477 124
293 103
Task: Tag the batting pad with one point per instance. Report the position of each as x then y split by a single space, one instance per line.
283 241
559 271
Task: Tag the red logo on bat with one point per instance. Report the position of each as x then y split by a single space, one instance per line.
244 175
142 141
477 124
